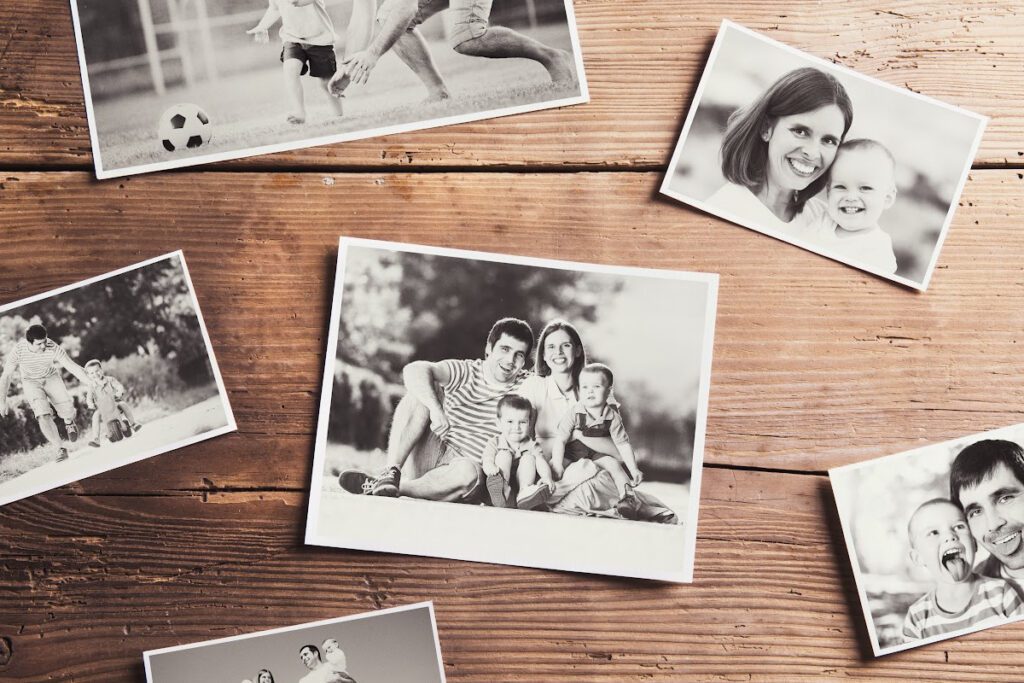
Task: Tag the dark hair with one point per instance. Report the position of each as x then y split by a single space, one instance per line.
516 402
35 333
601 369
744 151
314 648
513 327
265 671
579 358
977 462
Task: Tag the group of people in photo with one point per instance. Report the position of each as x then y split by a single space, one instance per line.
308 38
328 665
487 431
985 507
38 361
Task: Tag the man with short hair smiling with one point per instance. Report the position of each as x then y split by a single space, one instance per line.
319 672
448 411
987 481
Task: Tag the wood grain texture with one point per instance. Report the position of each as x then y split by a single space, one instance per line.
98 579
643 61
815 364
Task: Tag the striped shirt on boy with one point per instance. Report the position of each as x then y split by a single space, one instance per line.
35 365
993 602
471 403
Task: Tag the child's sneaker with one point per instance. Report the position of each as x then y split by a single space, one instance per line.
496 490
355 482
94 444
72 431
136 427
532 496
386 484
62 454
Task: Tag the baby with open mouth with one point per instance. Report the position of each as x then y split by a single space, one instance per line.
861 185
942 544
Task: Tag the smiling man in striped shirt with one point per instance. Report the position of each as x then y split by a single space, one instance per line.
38 360
449 411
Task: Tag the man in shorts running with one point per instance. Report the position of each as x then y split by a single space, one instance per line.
447 417
36 358
398 22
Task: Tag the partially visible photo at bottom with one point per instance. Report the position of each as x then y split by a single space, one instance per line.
355 649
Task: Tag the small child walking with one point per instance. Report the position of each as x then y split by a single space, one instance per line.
308 36
106 399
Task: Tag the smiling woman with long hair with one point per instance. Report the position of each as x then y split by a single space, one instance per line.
776 152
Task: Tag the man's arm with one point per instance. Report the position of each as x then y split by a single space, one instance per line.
397 22
421 380
5 383
75 369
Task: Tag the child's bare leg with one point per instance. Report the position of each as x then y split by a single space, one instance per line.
543 471
504 462
618 471
293 87
497 487
96 426
334 101
526 473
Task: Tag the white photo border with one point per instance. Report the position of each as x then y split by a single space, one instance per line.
627 548
842 503
728 25
91 469
428 605
104 174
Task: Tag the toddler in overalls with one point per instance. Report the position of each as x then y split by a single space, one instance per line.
105 398
593 430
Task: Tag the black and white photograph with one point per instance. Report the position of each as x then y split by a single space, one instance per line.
934 538
397 645
172 83
513 410
822 157
103 373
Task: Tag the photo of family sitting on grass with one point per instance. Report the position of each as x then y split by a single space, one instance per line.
814 154
356 649
101 374
507 385
934 537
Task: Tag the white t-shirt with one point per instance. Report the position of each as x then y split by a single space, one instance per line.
737 201
310 24
871 247
322 674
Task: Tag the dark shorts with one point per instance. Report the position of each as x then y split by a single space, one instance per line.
317 60
577 450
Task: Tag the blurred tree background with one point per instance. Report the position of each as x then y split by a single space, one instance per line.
400 307
142 325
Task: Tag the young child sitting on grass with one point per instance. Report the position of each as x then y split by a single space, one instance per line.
941 543
514 449
105 399
592 420
307 34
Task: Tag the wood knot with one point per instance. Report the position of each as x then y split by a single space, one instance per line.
6 650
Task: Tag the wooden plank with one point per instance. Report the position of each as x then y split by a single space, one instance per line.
815 364
99 579
643 60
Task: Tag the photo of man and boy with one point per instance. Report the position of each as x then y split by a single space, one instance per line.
927 583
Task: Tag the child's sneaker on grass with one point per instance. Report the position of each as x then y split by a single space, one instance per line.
62 454
94 444
72 431
496 490
532 496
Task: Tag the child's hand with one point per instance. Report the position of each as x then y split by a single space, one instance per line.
490 468
557 470
260 35
638 477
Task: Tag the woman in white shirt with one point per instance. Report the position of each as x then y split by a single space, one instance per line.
776 152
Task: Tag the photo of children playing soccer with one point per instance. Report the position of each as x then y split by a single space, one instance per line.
103 373
507 386
256 76
934 537
819 156
356 649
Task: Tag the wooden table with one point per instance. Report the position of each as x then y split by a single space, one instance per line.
815 364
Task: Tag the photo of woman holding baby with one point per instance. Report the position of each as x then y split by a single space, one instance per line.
819 156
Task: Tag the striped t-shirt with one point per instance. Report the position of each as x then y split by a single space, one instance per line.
994 601
35 365
471 406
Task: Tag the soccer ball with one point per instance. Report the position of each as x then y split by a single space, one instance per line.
184 126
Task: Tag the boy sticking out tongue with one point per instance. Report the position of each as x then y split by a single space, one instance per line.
942 544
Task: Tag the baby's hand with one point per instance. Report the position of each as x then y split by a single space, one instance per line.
260 35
